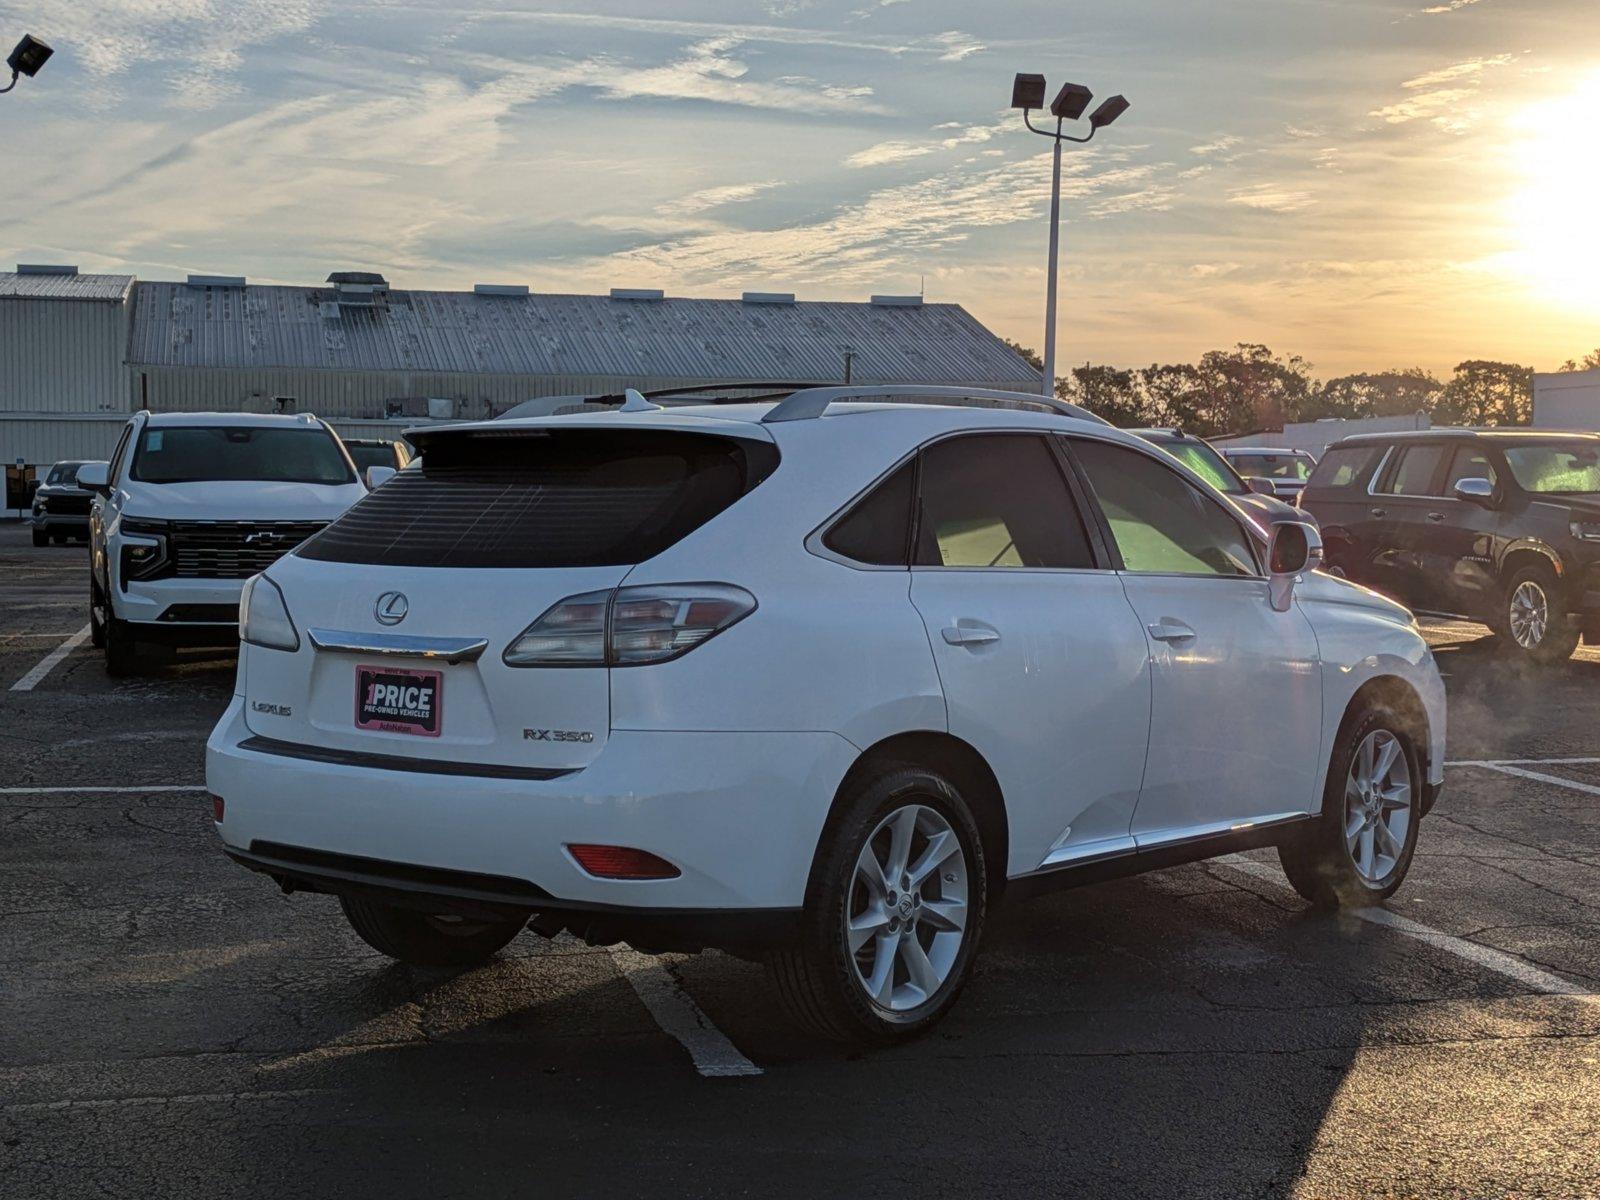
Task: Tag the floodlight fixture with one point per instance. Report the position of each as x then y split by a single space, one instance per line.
1070 101
1027 91
29 55
1108 112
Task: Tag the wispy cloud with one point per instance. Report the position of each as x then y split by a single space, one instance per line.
1218 146
1443 96
716 197
1452 6
888 152
197 46
957 45
895 228
1269 197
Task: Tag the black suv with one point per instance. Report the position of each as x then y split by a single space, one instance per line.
1498 526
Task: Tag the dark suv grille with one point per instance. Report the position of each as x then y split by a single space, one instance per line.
232 549
65 506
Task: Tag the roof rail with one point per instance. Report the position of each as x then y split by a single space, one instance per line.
813 402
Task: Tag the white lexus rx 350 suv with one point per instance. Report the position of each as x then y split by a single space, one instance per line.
818 681
189 507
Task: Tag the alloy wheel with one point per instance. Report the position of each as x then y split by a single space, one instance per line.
1530 614
1377 806
906 916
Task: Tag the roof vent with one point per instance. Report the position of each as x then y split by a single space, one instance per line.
768 297
369 279
45 269
638 294
500 289
897 302
221 281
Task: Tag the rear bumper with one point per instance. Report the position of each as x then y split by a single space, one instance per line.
739 814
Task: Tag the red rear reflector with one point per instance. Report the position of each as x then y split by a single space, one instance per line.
620 862
216 809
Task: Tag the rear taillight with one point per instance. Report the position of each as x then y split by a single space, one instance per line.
622 862
629 626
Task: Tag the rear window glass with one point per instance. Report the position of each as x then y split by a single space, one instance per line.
369 454
877 531
997 500
1412 474
551 498
1206 463
1271 466
1344 466
195 453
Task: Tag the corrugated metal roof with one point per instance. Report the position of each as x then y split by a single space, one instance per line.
65 287
179 326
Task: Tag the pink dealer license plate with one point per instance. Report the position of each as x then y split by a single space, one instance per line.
399 701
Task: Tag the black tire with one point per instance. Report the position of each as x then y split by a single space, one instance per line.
1561 632
59 539
1318 861
425 940
97 629
817 977
123 654
40 538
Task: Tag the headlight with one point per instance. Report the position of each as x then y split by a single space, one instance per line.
144 548
264 617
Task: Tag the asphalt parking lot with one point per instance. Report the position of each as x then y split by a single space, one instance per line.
172 1026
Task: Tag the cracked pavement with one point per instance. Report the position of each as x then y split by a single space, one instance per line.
170 1025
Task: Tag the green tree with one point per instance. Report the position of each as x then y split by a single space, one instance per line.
1027 353
1386 394
1175 395
1589 362
1486 393
1108 392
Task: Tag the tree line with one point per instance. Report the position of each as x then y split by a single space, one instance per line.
1249 388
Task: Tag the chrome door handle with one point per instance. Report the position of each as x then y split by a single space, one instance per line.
1380 512
969 633
1168 630
1435 516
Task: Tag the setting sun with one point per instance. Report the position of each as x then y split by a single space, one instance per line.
1553 213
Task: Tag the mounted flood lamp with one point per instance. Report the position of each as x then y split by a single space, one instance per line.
30 54
1027 93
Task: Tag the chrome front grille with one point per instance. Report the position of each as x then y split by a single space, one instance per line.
232 549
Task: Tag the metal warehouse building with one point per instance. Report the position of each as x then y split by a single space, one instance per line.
79 352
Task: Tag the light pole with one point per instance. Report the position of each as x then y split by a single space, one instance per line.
30 54
1027 93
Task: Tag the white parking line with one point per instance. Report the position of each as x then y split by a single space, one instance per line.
57 791
1508 762
1539 777
1494 960
677 1013
49 662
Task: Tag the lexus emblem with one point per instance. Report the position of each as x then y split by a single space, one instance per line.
391 608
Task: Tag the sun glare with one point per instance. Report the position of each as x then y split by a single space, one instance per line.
1555 214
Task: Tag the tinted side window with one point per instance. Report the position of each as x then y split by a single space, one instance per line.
1470 462
997 500
1343 467
1412 474
877 531
1160 521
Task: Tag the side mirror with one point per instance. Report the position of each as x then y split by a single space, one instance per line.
1260 485
377 476
1475 491
1293 549
95 477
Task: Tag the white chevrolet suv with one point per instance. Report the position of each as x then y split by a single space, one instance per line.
817 681
189 507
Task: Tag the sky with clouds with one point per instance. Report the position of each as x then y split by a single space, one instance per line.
1368 183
